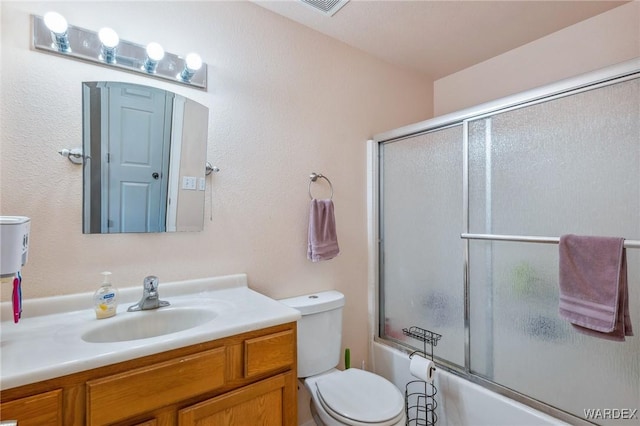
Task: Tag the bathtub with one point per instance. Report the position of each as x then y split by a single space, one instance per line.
460 402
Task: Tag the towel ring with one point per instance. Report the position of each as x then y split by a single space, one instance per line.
314 177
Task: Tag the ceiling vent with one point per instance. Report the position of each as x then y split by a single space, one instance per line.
328 7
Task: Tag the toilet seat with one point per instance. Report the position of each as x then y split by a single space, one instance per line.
357 397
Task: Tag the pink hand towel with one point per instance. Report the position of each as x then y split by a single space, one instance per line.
323 240
593 286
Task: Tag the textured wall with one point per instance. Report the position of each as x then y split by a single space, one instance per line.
603 40
284 101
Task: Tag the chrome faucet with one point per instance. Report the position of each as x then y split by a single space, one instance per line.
150 296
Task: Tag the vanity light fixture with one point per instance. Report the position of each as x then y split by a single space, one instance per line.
58 26
109 39
52 34
155 53
192 63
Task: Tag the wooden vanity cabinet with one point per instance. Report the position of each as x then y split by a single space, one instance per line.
263 403
41 409
244 379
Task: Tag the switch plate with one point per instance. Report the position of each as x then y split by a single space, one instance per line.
189 182
201 184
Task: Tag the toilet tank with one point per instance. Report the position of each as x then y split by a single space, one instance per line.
319 331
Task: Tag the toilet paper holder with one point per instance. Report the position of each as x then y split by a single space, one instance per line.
419 396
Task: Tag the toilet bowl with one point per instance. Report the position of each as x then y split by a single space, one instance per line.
356 398
351 397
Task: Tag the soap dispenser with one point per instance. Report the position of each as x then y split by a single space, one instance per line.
105 299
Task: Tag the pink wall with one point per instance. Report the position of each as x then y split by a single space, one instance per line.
284 101
603 40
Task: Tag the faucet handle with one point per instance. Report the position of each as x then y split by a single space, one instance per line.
151 283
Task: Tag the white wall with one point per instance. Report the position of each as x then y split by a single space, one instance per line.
603 40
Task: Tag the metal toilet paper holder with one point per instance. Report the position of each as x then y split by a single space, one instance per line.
419 396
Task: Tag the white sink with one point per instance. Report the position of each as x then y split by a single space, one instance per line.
60 335
145 324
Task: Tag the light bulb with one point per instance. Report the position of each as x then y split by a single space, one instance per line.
155 51
110 40
58 27
55 22
108 37
193 61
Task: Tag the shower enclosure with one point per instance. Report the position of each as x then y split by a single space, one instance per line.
563 159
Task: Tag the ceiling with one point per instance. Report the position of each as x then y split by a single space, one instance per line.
439 38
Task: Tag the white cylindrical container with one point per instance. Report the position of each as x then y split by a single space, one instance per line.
14 240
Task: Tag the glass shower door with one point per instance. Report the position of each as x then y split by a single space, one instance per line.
568 165
420 249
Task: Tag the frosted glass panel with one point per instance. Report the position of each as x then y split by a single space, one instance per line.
570 165
421 220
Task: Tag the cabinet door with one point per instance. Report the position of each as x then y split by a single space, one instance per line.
270 402
149 388
269 353
36 410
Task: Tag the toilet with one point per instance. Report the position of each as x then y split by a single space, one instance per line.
350 397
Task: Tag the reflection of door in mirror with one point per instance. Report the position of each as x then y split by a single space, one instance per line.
185 204
137 121
146 152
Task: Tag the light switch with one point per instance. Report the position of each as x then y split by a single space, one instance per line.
189 182
201 184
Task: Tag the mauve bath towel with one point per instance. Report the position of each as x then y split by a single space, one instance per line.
593 285
323 240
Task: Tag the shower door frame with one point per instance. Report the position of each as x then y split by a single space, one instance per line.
614 74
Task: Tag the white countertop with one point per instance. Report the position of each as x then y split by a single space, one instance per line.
47 342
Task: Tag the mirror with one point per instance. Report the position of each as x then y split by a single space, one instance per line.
145 157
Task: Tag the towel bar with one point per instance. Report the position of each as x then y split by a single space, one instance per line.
314 177
527 239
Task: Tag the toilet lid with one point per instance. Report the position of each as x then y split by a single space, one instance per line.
361 396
